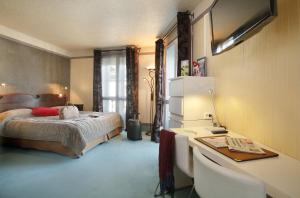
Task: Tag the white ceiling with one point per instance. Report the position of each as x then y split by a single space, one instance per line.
85 24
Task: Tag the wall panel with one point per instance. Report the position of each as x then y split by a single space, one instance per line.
258 84
29 70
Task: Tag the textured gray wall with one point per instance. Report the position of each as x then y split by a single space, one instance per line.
29 70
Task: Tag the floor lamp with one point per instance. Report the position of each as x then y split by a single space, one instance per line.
151 84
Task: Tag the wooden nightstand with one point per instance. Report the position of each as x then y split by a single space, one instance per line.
79 106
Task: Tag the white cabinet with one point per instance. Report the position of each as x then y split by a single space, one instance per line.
190 101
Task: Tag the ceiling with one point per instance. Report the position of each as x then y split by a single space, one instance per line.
87 24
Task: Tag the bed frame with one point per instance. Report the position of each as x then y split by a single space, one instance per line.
19 100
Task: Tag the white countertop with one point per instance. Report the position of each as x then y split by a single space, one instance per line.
281 174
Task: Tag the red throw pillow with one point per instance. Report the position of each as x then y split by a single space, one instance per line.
45 111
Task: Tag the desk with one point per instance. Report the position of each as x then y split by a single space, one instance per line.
281 175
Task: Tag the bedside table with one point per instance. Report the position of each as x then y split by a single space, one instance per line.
79 106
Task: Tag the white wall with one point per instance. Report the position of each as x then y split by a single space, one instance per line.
201 7
82 82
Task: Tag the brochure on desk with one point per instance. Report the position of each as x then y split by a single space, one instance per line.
238 149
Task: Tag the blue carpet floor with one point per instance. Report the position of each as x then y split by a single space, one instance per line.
116 169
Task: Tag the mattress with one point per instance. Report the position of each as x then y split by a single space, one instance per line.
73 133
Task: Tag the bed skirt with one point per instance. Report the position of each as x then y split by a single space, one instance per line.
57 147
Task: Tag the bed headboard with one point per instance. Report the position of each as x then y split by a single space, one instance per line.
19 100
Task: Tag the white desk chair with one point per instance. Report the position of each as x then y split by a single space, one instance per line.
214 181
183 157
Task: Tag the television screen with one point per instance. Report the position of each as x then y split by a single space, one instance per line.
233 21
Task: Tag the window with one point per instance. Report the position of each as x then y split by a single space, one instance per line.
114 82
171 71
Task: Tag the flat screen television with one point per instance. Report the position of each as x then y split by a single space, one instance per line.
233 21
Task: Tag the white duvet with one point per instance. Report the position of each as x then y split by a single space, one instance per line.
73 133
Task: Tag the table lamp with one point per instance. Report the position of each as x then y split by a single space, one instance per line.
214 117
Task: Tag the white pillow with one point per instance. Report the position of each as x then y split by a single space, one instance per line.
68 112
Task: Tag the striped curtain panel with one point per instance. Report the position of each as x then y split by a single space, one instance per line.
97 82
159 90
132 69
184 39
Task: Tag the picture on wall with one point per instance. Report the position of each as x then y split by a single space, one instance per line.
199 67
185 68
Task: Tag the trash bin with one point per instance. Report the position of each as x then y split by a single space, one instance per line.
134 130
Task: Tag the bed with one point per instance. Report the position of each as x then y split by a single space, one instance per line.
71 137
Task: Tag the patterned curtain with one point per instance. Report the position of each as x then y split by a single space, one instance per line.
159 90
97 83
184 39
132 68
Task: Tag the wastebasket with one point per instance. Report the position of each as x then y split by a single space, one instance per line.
134 130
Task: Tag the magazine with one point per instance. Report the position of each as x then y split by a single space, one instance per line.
218 141
234 144
243 145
